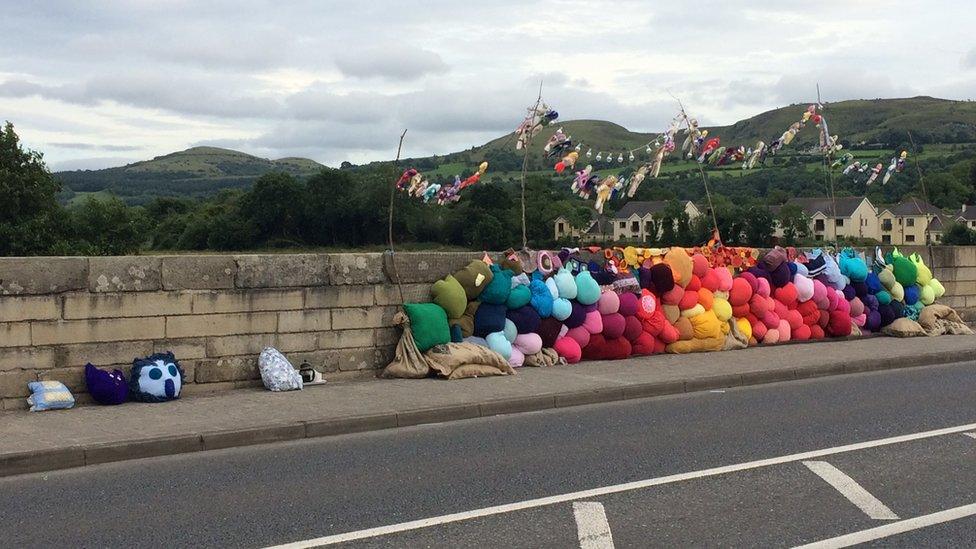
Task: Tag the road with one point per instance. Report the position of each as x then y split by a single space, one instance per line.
775 465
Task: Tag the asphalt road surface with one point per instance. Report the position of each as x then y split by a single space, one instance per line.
885 458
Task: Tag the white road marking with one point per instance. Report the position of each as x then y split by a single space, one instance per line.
850 489
592 526
614 489
971 435
893 528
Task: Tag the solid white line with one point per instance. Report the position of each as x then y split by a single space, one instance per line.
597 492
850 489
970 435
592 526
893 528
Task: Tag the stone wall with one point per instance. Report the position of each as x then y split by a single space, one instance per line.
217 312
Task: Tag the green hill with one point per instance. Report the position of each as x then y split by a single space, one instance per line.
872 125
199 171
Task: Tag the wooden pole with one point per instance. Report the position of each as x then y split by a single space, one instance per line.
921 182
393 190
525 163
701 172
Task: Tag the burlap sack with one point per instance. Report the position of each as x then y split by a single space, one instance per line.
408 362
937 319
461 360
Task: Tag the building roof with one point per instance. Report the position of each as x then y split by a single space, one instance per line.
913 206
939 223
601 225
967 212
643 207
846 205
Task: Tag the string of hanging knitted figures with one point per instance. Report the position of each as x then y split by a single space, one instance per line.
697 145
417 185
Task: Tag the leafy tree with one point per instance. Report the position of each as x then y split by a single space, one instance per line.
29 211
272 206
959 235
105 227
758 225
794 222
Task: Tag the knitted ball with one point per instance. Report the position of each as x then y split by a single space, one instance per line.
870 302
724 278
498 343
685 329
681 266
787 294
839 324
740 311
688 300
849 292
873 322
860 289
804 288
609 303
628 304
857 307
566 284
802 333
780 276
587 290
743 325
705 298
792 267
771 319
763 288
773 259
785 333
751 280
496 292
759 305
644 277
694 311
549 331
906 272
510 331
706 325
632 327
577 317
937 287
758 272
741 292
541 300
614 325
884 297
927 295
794 318
663 278
816 332
694 284
601 348
489 318
711 281
897 292
520 296
568 349
643 345
674 296
517 358
758 330
801 269
526 319
912 294
887 278
580 335
772 336
874 283
551 286
593 322
722 309
671 312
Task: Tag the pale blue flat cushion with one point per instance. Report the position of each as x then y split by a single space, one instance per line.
49 395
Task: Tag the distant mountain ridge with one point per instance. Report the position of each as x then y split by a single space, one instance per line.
202 171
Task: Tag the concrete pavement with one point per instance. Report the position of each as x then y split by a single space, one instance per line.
91 435
272 494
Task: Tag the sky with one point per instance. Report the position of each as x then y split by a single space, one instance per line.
98 84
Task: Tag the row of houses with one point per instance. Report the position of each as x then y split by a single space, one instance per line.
912 221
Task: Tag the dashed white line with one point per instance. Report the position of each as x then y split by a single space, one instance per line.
971 435
614 489
850 489
893 528
592 526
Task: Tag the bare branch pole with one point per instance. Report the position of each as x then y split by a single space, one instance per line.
829 176
921 181
393 190
701 171
525 163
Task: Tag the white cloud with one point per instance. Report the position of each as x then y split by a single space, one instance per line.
336 82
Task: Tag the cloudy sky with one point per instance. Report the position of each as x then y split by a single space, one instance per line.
96 84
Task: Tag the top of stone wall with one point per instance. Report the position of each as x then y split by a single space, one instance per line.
51 275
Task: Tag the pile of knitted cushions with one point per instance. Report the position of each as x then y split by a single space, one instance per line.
678 301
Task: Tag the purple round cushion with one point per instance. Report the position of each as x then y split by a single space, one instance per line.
870 302
887 314
873 321
549 331
577 317
526 319
861 289
106 387
849 292
628 304
780 276
662 277
614 325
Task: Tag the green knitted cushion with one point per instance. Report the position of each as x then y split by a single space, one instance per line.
449 294
428 322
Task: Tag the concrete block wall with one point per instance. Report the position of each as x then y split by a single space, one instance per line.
216 312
